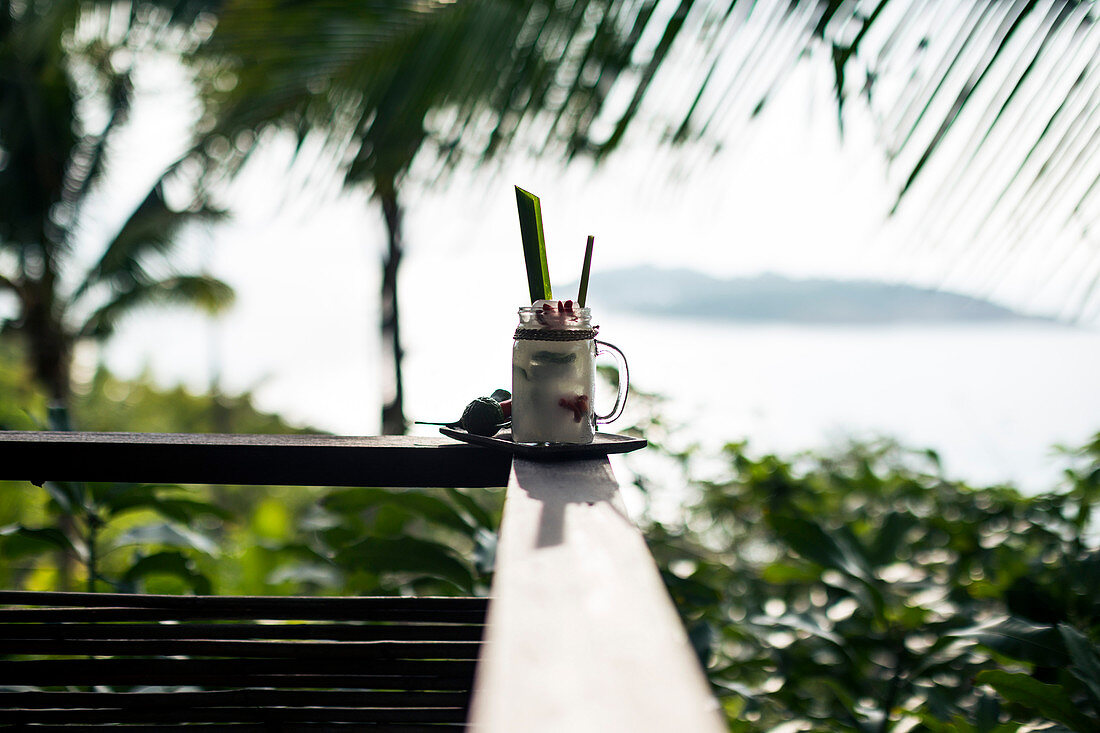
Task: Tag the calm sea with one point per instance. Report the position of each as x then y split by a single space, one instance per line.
991 399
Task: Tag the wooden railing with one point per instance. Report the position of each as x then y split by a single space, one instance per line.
581 634
239 663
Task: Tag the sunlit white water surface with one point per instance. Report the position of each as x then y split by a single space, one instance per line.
991 399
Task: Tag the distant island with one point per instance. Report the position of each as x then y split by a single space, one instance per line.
679 292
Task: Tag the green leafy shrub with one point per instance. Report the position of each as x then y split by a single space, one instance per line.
865 591
225 539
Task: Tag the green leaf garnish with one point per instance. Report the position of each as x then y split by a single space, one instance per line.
534 245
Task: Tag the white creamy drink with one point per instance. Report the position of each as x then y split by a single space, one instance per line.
552 387
553 375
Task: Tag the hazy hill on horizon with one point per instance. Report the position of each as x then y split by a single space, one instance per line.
770 297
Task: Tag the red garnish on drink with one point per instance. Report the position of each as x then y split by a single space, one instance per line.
557 313
578 404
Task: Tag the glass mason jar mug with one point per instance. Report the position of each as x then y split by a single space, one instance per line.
554 375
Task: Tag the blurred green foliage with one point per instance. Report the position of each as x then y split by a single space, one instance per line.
865 591
222 539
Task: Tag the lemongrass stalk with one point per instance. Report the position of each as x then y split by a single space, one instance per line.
534 245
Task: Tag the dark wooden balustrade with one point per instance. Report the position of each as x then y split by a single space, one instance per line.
580 634
261 460
268 662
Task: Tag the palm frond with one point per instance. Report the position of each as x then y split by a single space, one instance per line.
36 131
1005 146
88 160
281 59
993 96
379 75
197 291
152 229
65 91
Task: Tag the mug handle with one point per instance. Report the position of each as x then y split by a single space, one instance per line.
602 347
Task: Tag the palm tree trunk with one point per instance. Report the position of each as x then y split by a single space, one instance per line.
393 395
51 364
51 361
50 351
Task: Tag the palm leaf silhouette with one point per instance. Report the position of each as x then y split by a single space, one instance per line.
57 60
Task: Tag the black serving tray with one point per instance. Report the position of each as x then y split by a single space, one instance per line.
601 445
